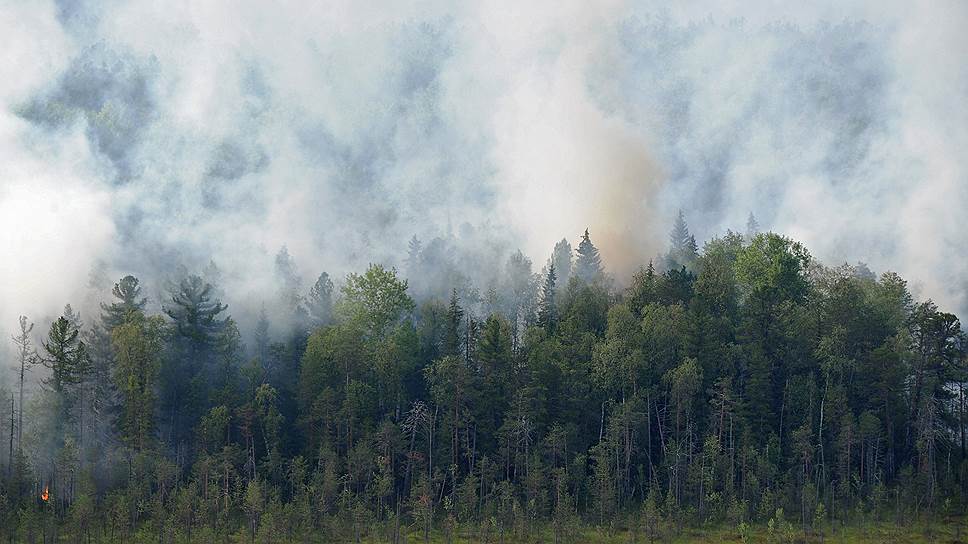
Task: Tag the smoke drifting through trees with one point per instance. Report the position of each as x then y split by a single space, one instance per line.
137 148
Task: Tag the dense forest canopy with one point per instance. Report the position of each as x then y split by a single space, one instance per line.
737 383
329 271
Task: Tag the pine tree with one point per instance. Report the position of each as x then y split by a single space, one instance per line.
547 309
129 298
66 355
588 265
195 315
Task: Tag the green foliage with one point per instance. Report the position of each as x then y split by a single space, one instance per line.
374 300
744 392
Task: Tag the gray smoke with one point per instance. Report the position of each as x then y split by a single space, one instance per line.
144 138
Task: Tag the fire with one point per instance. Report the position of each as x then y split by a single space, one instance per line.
45 495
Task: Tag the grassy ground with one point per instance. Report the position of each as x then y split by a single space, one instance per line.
947 532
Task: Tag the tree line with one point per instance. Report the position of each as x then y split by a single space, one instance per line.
738 384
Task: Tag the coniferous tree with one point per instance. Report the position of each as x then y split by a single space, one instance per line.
66 356
547 309
588 264
683 250
128 293
452 330
319 302
197 334
752 226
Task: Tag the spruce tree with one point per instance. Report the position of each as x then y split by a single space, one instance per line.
588 265
683 250
547 311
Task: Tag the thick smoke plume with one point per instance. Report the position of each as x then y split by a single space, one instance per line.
145 138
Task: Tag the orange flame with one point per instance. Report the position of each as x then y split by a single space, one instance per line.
45 495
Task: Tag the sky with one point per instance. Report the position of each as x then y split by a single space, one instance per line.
147 138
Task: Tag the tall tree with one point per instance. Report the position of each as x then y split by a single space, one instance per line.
28 358
138 344
547 308
128 293
197 334
66 355
683 250
452 328
588 264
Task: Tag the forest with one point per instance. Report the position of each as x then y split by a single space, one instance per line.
741 387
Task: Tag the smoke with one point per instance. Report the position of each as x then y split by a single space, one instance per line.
141 138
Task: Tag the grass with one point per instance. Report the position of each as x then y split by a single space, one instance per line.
947 532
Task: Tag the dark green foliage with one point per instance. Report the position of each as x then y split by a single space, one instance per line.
128 293
746 384
548 306
588 263
66 355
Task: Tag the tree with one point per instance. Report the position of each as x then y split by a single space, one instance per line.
138 345
66 356
452 328
683 250
198 334
561 259
374 300
547 307
262 339
642 290
588 264
195 316
319 301
128 293
752 226
288 278
28 358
